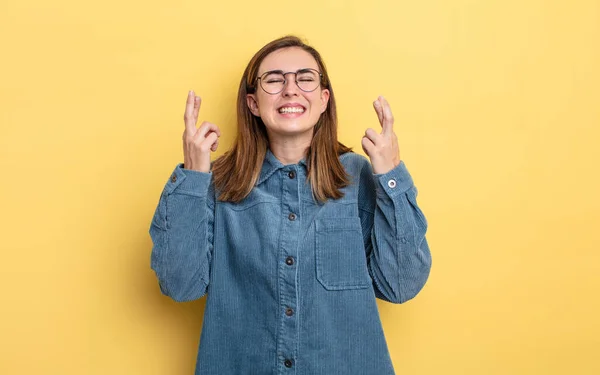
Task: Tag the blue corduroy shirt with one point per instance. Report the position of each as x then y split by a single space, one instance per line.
291 283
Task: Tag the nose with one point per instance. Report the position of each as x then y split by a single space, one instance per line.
290 88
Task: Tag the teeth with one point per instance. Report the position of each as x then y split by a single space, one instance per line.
291 110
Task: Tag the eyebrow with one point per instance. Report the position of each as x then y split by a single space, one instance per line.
279 71
272 71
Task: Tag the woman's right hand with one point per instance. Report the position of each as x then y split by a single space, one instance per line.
198 142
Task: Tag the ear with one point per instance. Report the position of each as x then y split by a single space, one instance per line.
324 99
252 104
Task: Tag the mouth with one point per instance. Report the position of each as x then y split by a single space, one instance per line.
287 109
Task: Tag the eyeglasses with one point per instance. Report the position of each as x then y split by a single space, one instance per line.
273 81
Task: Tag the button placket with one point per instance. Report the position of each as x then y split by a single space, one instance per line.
287 343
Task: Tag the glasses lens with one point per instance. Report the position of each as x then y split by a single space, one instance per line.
308 79
272 82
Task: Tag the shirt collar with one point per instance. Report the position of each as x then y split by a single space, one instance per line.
271 164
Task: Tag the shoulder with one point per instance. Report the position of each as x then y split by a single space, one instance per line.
357 166
362 180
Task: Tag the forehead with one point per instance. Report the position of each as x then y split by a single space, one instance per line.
289 60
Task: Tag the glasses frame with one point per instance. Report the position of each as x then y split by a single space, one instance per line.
285 81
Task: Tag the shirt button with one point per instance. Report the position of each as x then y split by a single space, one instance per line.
292 175
288 363
292 216
392 183
289 311
289 261
173 178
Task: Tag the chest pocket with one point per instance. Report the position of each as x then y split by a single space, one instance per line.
340 254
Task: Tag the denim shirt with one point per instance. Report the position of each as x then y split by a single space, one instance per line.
292 284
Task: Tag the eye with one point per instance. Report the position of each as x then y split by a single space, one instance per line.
306 76
274 78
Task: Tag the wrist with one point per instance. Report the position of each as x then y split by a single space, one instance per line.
383 168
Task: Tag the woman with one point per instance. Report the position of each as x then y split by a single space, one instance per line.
290 234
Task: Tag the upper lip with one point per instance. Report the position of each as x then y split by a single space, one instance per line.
291 105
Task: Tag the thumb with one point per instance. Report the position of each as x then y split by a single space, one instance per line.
367 146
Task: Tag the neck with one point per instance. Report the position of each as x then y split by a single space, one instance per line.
289 151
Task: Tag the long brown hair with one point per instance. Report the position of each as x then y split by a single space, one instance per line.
237 171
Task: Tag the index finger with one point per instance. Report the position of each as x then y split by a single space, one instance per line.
378 111
192 106
388 119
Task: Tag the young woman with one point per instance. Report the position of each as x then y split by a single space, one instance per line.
290 234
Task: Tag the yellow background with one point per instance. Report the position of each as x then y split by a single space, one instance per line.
497 107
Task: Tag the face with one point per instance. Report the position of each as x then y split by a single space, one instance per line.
292 112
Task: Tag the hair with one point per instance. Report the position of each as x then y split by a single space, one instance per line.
237 171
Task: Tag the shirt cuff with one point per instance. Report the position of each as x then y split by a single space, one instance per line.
187 181
397 181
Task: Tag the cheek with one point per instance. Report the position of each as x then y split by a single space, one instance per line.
317 104
265 104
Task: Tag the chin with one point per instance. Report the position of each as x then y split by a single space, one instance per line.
292 130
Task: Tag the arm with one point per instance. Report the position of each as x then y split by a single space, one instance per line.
182 235
394 229
398 255
182 227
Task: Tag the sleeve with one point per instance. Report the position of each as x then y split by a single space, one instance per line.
398 256
182 235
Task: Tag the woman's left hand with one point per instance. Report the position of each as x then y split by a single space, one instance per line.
382 148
